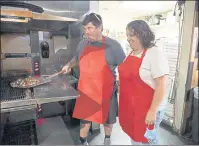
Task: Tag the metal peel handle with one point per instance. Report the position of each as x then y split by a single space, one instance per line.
56 74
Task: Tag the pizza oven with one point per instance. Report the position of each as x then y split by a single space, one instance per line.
34 44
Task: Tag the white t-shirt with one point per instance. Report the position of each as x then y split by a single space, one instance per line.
154 65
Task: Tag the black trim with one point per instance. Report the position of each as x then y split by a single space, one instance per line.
48 25
14 27
197 50
189 76
54 26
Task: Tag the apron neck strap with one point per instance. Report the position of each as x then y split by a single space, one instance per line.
103 42
143 54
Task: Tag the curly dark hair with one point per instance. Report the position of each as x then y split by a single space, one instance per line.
142 30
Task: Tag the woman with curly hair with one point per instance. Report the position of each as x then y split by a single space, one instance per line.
143 77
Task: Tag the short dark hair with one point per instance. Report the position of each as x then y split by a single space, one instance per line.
94 18
142 30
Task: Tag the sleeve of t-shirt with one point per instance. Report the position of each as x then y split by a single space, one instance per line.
159 63
80 48
118 53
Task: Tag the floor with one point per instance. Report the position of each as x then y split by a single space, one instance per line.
120 138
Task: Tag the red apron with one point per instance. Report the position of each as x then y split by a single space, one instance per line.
95 85
135 99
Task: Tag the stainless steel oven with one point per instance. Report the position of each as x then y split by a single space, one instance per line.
29 46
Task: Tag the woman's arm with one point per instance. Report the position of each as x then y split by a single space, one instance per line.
158 97
159 94
160 74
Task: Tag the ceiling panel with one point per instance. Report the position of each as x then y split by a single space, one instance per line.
135 8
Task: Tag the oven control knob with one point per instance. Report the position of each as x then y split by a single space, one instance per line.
45 51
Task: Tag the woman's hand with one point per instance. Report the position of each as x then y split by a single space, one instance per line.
150 117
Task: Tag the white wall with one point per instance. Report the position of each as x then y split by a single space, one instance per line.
94 6
115 22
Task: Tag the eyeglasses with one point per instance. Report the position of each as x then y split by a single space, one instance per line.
97 17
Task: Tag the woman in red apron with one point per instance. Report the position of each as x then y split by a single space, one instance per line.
139 103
